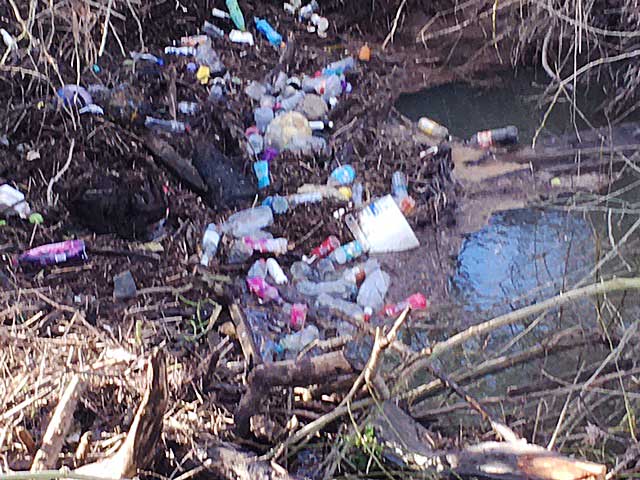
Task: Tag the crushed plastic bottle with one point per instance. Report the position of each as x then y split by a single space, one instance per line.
497 137
351 310
417 301
300 271
373 290
277 246
357 192
264 291
432 128
344 175
236 14
246 221
261 169
236 36
71 94
258 269
12 201
54 253
358 273
276 272
399 190
268 31
296 342
210 242
92 109
169 126
346 253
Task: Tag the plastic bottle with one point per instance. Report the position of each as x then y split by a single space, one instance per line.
349 309
346 253
265 292
237 36
399 190
308 10
236 14
246 221
207 56
373 290
13 201
210 242
216 12
54 253
278 204
321 24
357 192
339 67
212 30
334 287
180 51
358 273
276 272
343 175
145 57
92 109
188 108
268 31
289 103
313 84
263 117
268 101
216 94
332 88
296 342
300 271
279 82
277 246
304 198
318 125
354 227
256 144
193 40
307 145
240 252
261 169
258 269
169 126
434 129
326 247
417 301
255 90
497 137
297 314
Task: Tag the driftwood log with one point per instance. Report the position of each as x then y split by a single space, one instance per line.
408 444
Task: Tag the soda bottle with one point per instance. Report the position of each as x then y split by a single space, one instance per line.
349 309
434 129
236 14
497 137
54 253
246 221
267 245
417 301
326 247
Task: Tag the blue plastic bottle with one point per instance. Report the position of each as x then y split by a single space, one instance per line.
268 31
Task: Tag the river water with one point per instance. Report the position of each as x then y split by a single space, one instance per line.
524 256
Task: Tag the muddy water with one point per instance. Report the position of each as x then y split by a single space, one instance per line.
526 255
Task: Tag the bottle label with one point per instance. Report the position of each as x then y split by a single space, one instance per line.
484 139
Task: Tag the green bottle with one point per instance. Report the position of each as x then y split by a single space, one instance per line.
236 14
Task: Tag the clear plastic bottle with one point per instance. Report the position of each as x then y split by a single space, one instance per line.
349 309
309 9
277 246
240 252
216 94
339 67
246 221
347 252
258 269
357 192
296 342
188 108
373 290
307 145
263 117
236 36
335 287
318 125
399 190
207 56
358 273
304 198
332 88
256 144
169 126
288 104
210 242
212 30
13 201
180 51
300 271
216 12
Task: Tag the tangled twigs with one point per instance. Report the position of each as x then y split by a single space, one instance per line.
60 173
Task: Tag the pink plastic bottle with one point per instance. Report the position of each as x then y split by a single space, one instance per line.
54 253
417 301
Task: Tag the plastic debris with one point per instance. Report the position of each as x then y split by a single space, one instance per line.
124 286
238 36
261 169
169 126
277 246
297 314
246 221
54 253
210 242
265 292
264 27
276 272
417 301
344 175
373 290
236 14
12 202
385 227
71 94
432 128
296 342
